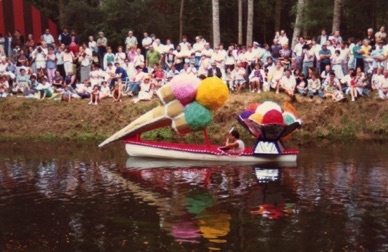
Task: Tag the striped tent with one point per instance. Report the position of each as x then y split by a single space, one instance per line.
21 15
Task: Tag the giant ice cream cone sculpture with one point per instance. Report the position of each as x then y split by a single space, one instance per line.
187 106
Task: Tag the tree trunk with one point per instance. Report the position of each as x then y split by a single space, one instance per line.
305 30
240 26
181 19
298 22
216 22
337 15
250 22
278 9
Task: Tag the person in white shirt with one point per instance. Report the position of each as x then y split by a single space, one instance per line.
130 41
288 83
146 42
105 90
85 59
48 38
120 56
197 48
256 78
184 43
298 52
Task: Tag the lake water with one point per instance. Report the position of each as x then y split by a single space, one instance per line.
76 197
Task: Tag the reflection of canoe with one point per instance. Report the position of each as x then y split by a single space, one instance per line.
200 153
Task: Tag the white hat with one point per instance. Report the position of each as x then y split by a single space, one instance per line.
256 43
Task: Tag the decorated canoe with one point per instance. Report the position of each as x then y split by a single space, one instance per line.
188 105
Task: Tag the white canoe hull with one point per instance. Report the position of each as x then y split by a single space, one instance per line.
136 150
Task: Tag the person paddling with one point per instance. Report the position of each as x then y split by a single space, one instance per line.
233 143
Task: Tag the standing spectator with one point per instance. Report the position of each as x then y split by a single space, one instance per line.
102 43
108 58
371 37
146 42
48 38
337 37
30 41
130 41
324 56
60 62
152 57
85 60
358 55
298 52
378 57
380 35
283 39
74 44
184 43
198 47
65 37
323 38
120 56
336 62
2 43
131 54
308 57
51 64
68 58
275 49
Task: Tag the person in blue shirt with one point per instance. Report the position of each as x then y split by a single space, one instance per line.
324 55
358 54
121 76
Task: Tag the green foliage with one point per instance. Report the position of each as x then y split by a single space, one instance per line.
161 17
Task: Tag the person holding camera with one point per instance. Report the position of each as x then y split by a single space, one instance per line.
40 55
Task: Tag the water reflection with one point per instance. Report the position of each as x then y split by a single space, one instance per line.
336 199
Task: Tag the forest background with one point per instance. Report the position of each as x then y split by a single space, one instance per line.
227 21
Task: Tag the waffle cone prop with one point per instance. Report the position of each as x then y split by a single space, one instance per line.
187 105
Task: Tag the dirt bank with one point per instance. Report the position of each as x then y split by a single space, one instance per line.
21 118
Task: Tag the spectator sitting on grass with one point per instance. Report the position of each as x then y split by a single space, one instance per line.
3 88
45 89
288 83
117 94
65 95
21 83
314 85
57 82
146 90
301 86
383 88
104 90
135 82
95 95
84 90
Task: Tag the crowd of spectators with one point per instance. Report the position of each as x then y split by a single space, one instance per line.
66 68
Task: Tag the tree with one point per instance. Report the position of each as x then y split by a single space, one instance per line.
337 15
181 19
278 13
240 27
250 22
298 22
216 22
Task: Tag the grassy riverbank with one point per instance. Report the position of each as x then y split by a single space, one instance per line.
20 119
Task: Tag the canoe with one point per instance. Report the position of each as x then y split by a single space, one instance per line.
204 153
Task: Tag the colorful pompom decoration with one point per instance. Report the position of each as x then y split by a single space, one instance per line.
246 114
267 106
273 117
252 107
288 118
184 87
257 118
212 93
197 116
